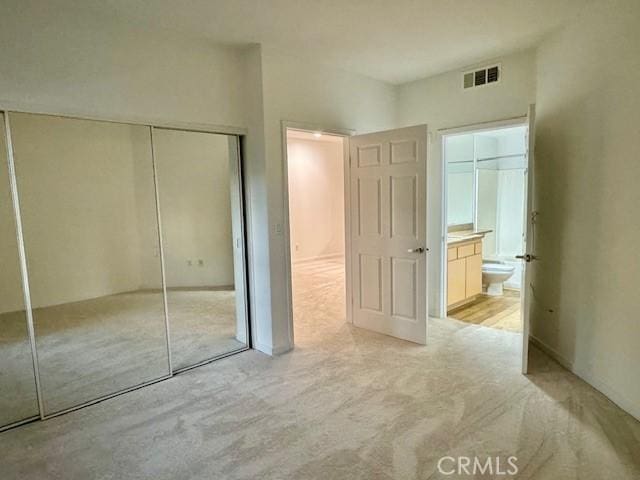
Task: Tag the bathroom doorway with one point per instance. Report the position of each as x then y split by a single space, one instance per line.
485 207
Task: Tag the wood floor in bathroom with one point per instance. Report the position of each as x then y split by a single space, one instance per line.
502 312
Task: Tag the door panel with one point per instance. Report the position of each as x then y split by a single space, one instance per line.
403 288
369 218
371 283
388 191
456 286
404 213
474 275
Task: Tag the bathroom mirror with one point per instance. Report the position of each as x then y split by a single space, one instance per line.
18 400
200 209
459 155
87 198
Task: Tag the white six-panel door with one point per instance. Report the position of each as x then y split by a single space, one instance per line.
388 232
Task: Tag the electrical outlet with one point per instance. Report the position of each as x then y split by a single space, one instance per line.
189 263
278 228
200 262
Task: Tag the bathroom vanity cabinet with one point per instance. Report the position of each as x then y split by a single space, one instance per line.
464 271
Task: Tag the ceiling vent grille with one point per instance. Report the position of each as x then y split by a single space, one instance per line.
482 76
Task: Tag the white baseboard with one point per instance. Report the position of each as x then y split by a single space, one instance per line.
603 387
330 256
273 351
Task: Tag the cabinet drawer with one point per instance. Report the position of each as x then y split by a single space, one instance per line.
452 253
478 247
466 250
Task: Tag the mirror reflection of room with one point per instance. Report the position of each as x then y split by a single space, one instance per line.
486 178
93 200
197 189
87 200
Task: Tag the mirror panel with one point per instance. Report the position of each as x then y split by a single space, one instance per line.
199 197
18 399
90 228
459 155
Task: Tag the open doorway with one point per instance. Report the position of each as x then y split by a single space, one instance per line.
316 197
485 210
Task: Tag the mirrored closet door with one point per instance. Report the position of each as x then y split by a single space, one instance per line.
89 219
18 399
202 230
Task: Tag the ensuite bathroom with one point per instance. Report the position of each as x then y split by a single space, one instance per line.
486 177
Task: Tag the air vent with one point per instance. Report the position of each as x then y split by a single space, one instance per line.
480 77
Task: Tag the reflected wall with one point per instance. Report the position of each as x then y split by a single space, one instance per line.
199 200
87 199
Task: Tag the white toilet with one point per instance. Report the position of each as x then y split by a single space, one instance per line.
494 274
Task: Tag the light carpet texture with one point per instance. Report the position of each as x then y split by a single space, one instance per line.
96 347
345 404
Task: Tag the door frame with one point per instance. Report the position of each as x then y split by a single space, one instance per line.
345 134
462 130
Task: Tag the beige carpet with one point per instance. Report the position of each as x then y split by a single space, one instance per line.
346 404
96 347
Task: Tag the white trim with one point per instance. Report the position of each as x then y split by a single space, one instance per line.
22 258
163 275
483 126
311 127
603 387
18 107
272 351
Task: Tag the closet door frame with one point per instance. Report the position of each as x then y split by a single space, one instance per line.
24 276
235 135
239 242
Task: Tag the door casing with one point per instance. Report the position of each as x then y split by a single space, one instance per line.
465 129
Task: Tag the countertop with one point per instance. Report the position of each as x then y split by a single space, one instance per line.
465 235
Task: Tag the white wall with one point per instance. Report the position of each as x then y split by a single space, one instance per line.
587 172
300 90
81 216
195 203
62 61
316 198
440 102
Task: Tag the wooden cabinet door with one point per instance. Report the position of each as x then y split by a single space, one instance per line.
474 275
456 288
